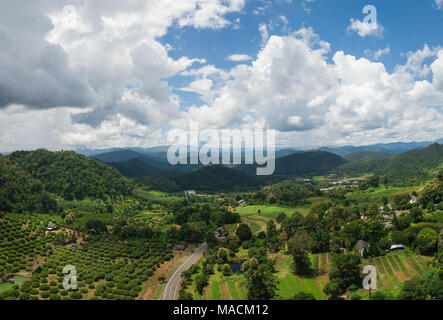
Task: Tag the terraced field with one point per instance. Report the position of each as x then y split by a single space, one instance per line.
396 268
226 288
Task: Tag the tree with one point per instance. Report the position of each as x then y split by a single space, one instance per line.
281 217
303 296
96 226
201 281
244 232
416 214
431 193
345 270
226 270
299 246
332 290
261 283
427 241
282 238
412 290
223 255
271 228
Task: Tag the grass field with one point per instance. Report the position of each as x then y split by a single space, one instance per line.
5 286
377 194
290 284
270 211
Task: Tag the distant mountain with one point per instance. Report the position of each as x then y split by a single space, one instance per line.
396 147
122 156
367 155
302 164
217 179
413 163
135 168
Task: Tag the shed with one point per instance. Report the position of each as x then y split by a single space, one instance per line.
397 247
179 247
51 226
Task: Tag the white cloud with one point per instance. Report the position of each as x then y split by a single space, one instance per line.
239 57
104 82
378 53
364 29
263 29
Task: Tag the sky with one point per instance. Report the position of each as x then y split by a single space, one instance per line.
107 73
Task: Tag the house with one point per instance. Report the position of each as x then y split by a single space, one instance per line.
51 226
397 247
242 203
389 225
413 200
360 246
179 247
190 193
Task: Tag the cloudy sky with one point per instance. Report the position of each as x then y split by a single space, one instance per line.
108 73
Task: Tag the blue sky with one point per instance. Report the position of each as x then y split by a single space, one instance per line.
409 24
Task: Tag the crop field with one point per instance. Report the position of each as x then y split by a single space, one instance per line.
234 287
376 194
270 211
226 288
396 268
256 223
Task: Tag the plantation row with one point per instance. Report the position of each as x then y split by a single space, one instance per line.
106 267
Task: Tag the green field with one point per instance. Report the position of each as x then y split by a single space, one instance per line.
396 268
290 284
5 286
377 194
270 211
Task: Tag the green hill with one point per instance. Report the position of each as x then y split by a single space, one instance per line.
415 163
71 175
302 164
19 192
136 168
367 155
217 179
410 164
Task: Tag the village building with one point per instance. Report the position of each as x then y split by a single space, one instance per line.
179 247
51 227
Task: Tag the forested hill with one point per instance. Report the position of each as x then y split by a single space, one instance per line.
368 155
216 179
302 164
71 175
136 168
20 193
410 164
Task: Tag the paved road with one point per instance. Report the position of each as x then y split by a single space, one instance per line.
173 284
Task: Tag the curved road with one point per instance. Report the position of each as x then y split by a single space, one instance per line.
173 284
